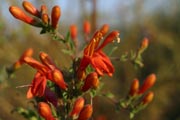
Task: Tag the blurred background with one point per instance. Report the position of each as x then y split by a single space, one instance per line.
158 20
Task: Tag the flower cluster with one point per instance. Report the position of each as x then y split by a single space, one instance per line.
94 55
37 18
62 94
137 98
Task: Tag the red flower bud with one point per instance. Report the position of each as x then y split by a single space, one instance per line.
86 112
46 60
20 61
35 64
110 38
81 74
37 87
134 87
78 105
104 29
55 15
45 18
30 8
86 27
27 53
57 78
19 14
144 43
44 9
148 83
91 81
73 31
148 98
45 111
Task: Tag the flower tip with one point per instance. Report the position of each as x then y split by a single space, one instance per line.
153 76
45 18
59 80
55 15
20 15
45 111
28 52
144 43
30 8
104 29
73 31
29 94
86 112
43 55
148 98
15 11
77 107
134 87
43 9
110 74
91 81
148 83
116 34
86 27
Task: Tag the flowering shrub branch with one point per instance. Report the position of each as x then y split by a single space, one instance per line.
60 94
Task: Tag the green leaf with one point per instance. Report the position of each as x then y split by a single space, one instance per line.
112 50
67 38
68 52
26 113
131 115
124 57
93 93
109 95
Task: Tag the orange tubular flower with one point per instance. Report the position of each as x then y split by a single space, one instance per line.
20 61
57 78
44 14
102 64
134 87
55 75
45 111
46 60
73 31
94 55
43 9
45 18
86 112
46 70
37 87
148 83
148 98
104 29
35 64
109 39
78 105
19 14
86 27
30 8
81 75
27 53
91 81
55 16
